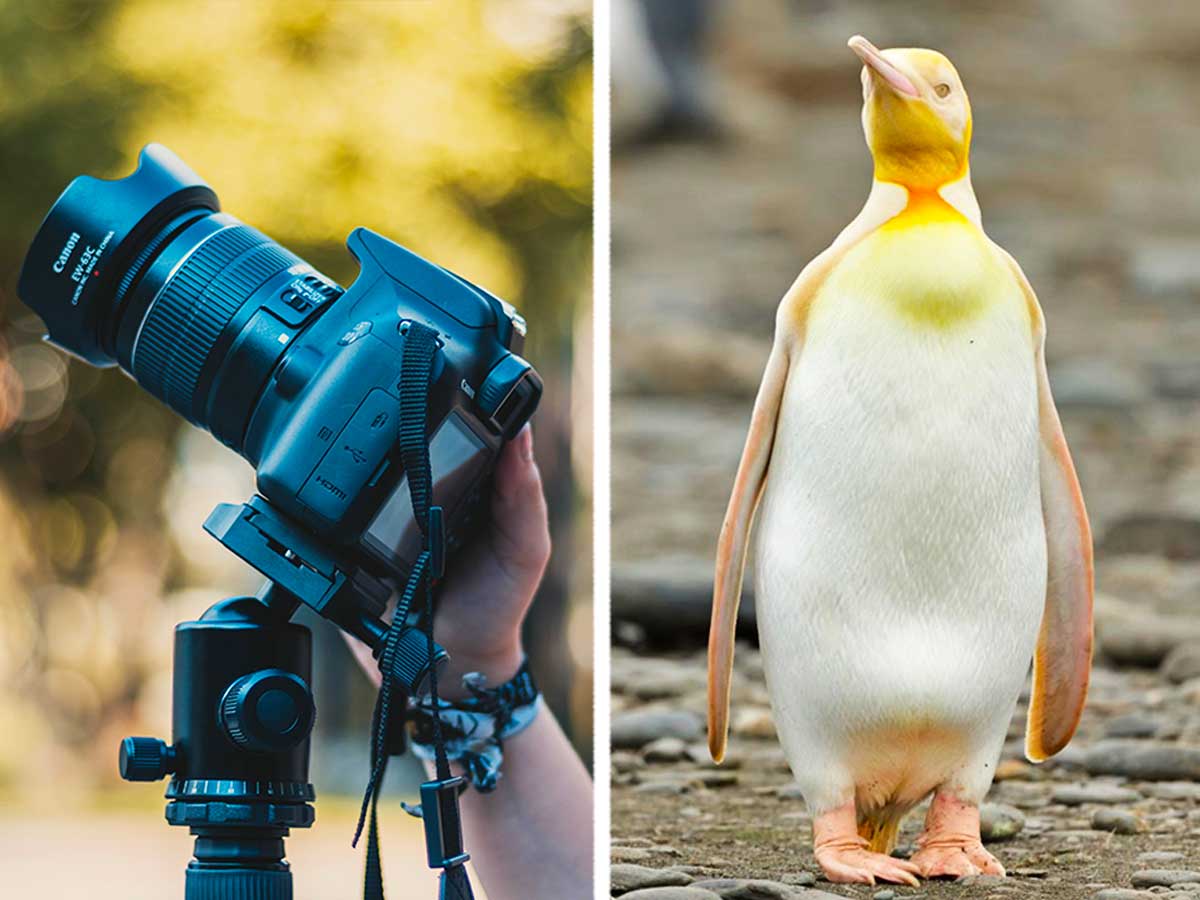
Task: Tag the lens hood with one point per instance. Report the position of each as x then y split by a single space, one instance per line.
95 243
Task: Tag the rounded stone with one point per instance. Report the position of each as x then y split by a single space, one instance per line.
999 822
671 893
1118 821
1094 792
634 730
1182 663
1144 760
625 877
1164 877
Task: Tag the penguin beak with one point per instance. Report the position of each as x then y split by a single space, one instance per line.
874 60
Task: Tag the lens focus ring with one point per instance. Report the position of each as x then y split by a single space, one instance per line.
198 301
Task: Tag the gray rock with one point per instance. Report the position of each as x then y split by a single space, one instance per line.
802 879
626 877
885 894
1144 760
1118 821
634 730
666 683
998 822
1164 877
1182 663
1094 792
1132 725
1069 757
665 749
1125 894
750 889
670 595
1142 640
671 893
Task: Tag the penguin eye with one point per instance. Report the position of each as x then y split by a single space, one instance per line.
941 89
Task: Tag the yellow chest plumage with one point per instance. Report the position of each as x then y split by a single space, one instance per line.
929 266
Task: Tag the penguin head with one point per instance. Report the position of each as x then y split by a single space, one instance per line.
916 115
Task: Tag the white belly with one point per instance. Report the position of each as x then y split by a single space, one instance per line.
901 565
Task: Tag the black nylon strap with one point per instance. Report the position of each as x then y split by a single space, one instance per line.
420 344
416 370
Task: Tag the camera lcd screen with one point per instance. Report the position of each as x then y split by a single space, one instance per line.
456 457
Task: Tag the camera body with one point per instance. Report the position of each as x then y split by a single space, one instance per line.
323 435
296 374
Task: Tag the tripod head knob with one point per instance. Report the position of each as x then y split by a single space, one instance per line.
268 711
145 759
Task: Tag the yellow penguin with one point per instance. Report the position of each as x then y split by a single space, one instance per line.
922 535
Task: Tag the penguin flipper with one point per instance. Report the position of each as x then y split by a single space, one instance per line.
733 542
791 325
1063 660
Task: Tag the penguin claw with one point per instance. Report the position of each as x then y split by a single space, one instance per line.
856 865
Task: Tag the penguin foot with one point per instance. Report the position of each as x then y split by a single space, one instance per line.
844 858
956 861
857 865
950 846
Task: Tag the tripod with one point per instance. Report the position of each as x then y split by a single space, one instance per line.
242 715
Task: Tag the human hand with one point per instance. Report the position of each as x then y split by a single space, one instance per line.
490 586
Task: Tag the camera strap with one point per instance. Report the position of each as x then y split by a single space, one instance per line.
439 798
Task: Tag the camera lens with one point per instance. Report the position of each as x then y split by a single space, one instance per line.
147 273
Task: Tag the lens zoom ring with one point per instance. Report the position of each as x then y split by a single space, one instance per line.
187 319
234 285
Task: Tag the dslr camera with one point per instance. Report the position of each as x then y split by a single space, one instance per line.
290 370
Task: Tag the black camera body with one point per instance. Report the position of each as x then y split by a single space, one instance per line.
323 435
296 374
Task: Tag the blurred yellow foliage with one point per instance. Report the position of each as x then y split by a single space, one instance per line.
460 128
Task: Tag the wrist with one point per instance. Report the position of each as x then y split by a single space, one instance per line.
497 664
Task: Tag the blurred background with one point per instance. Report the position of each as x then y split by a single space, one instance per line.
460 128
740 157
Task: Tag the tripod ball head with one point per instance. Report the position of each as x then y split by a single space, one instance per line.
242 716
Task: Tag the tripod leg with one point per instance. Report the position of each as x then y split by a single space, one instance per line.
242 866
